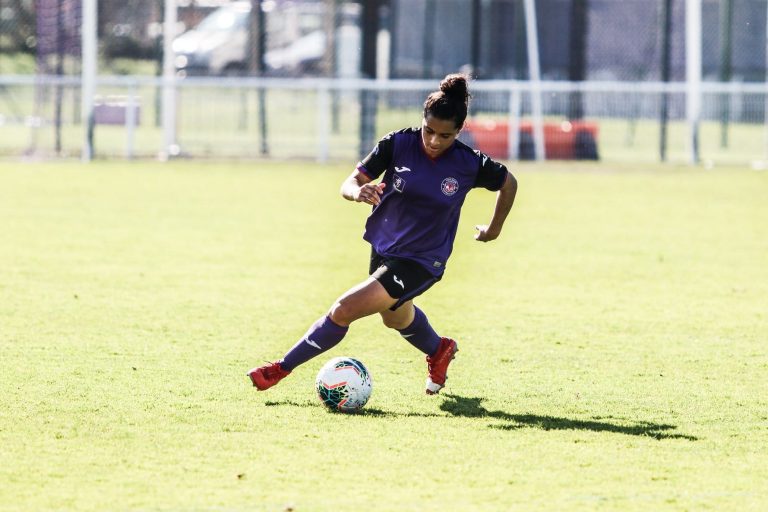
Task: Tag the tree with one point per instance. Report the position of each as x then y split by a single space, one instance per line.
20 33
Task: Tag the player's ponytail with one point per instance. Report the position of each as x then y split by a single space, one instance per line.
451 101
455 87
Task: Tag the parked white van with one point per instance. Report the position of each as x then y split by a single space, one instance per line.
296 41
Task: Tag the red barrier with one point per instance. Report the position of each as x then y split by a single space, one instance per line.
568 140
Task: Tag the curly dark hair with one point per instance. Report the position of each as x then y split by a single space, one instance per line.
451 101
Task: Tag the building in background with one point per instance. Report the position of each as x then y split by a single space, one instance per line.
623 40
429 38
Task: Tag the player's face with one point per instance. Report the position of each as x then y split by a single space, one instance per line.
437 135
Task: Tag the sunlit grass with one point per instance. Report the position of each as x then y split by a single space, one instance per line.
612 344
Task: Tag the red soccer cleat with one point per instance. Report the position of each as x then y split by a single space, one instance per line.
264 377
438 365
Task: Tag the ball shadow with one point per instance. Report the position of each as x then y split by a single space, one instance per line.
366 411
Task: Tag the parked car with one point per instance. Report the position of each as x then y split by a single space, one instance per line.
217 44
296 42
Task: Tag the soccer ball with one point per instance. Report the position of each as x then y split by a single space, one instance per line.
344 384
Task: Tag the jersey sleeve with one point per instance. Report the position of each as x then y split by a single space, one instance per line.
491 174
379 159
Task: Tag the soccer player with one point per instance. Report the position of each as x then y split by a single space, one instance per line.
427 174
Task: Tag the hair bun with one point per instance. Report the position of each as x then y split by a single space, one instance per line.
455 87
451 101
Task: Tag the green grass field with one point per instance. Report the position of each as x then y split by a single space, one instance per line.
613 344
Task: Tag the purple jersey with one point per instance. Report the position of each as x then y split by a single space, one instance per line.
419 211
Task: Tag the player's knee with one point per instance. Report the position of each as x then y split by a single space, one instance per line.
393 322
342 313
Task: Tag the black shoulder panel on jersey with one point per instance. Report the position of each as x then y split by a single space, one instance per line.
490 173
378 160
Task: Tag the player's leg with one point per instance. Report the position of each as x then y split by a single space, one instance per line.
400 318
413 325
405 280
365 299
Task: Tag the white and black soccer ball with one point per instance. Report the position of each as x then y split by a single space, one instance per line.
344 384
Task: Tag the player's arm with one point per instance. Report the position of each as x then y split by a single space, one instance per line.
505 198
360 187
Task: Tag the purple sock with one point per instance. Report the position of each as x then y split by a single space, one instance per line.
420 334
322 336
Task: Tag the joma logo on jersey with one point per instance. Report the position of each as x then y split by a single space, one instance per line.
449 186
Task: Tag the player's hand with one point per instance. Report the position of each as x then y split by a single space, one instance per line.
485 235
370 193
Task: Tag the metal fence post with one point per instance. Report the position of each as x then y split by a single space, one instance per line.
131 114
324 124
88 75
532 39
513 135
170 148
693 75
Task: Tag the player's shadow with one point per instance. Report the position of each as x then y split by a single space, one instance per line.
471 407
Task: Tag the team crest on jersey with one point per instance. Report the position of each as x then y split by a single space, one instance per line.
398 183
449 186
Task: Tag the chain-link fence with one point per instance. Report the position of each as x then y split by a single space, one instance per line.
220 113
320 119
